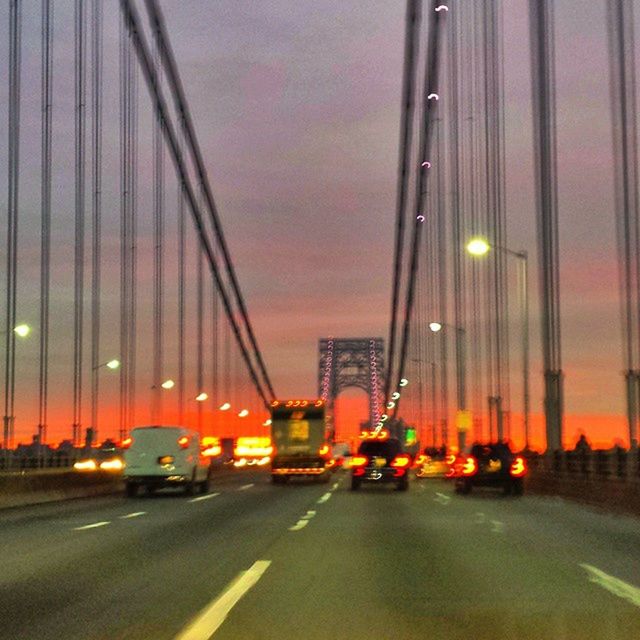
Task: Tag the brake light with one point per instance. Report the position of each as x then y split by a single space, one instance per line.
359 461
183 442
324 449
401 461
470 466
518 467
126 443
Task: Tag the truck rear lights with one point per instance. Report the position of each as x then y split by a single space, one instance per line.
324 450
470 466
183 442
518 467
165 460
126 443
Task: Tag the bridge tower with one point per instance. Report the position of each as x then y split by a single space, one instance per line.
351 362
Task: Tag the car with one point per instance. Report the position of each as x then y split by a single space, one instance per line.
164 456
380 462
432 463
489 465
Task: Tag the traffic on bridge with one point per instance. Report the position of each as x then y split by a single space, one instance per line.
321 320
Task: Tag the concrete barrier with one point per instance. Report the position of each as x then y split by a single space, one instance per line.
34 487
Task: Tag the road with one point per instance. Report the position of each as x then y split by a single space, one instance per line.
316 561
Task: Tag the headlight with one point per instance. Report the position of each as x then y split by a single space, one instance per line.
112 465
85 465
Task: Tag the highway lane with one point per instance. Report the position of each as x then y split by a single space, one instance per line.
319 561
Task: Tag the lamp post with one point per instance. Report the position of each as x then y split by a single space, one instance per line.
112 365
480 247
461 379
8 420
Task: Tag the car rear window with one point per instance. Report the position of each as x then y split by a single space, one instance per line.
387 448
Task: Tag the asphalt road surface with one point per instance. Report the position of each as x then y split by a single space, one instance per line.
316 561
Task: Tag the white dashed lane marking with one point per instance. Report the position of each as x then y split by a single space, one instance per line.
324 498
207 497
612 584
135 514
210 619
91 526
244 487
301 524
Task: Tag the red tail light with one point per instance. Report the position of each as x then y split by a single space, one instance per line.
183 442
126 443
470 466
359 461
401 461
518 467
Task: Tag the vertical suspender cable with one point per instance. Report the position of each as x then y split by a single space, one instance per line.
13 163
158 241
124 230
214 356
45 237
411 45
96 67
78 303
200 332
181 299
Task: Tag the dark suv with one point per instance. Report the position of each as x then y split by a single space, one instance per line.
489 465
380 461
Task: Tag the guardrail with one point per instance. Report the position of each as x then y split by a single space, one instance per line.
615 464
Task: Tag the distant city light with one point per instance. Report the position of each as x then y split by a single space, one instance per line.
23 330
478 247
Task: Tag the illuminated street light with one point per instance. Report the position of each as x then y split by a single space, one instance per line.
478 247
112 364
435 326
395 395
404 382
243 414
22 330
266 423
201 397
225 407
168 384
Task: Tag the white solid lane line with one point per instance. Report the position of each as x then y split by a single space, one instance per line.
613 585
135 514
208 622
244 487
206 497
324 498
91 526
301 524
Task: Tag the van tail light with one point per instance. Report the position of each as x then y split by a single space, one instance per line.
401 461
183 442
518 467
470 466
359 461
126 443
324 450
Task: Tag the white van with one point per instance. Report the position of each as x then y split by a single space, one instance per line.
160 456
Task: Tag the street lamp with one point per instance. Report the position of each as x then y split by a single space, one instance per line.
202 396
225 407
22 330
243 414
480 247
461 374
168 384
112 364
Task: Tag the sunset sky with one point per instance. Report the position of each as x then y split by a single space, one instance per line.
296 105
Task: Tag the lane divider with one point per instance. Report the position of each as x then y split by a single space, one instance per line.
309 515
301 524
206 497
208 622
244 487
136 514
335 486
442 498
612 584
497 526
92 526
325 497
